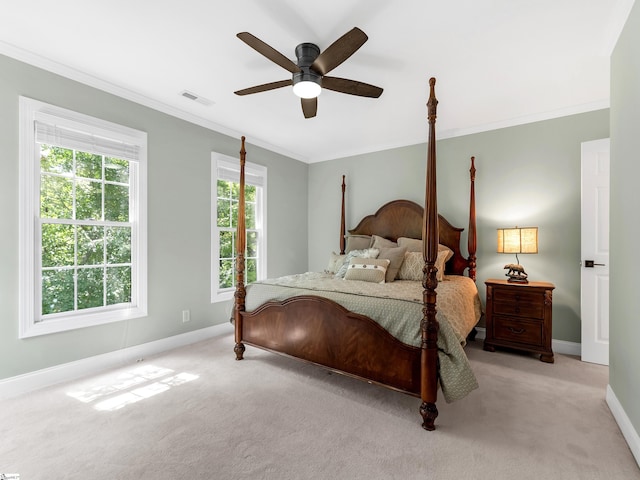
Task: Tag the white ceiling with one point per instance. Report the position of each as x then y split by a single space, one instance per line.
497 62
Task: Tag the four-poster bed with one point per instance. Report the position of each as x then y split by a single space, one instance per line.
314 325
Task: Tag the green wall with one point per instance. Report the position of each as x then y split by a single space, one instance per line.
527 175
624 354
179 227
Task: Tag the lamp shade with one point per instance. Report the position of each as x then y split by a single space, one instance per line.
518 240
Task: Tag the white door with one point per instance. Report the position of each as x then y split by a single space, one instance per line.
594 277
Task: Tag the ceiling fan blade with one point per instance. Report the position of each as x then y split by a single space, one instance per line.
309 107
339 51
351 87
264 87
268 51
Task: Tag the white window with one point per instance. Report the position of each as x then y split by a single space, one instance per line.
83 234
225 172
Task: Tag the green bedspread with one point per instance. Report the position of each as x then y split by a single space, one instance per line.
397 307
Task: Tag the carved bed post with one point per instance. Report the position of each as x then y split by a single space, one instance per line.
472 238
430 240
240 248
342 222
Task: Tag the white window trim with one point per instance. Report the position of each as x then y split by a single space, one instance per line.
30 279
257 172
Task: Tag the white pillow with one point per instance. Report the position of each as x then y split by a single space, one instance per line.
364 253
335 262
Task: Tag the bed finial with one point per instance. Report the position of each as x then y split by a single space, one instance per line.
432 103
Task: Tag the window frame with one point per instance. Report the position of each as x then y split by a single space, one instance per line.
31 323
259 174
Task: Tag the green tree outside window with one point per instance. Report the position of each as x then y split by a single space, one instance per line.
228 194
85 235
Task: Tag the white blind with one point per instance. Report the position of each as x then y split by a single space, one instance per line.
62 136
231 173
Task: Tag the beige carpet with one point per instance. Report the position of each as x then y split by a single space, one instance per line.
196 413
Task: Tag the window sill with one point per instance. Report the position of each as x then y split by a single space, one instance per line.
73 322
223 296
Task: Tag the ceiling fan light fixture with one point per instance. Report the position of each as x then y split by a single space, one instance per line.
309 73
307 89
307 84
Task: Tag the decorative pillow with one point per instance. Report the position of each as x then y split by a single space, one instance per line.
411 268
381 242
443 255
357 242
411 244
442 248
367 269
335 262
364 253
396 257
415 245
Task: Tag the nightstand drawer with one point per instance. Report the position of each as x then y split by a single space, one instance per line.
522 304
519 309
517 330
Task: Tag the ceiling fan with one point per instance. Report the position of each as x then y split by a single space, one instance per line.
309 74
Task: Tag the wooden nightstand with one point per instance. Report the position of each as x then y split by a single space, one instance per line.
518 315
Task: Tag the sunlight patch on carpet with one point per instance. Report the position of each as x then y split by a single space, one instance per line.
131 387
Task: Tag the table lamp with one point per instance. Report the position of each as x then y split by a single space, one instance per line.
517 240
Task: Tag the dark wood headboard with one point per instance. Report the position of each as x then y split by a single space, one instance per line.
404 218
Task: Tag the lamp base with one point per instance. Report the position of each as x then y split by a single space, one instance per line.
516 273
517 280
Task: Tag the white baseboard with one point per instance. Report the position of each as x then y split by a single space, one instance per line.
482 333
626 427
558 346
566 348
28 382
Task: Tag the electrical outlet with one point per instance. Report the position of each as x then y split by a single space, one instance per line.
186 316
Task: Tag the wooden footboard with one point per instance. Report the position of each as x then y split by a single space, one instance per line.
320 331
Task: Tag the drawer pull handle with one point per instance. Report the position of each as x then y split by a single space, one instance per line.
516 330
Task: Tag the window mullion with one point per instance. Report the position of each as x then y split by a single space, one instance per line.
74 216
75 268
104 262
104 231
